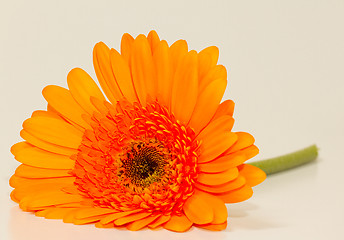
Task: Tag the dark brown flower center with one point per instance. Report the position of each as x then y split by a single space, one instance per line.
144 165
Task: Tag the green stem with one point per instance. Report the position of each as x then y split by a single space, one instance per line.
285 162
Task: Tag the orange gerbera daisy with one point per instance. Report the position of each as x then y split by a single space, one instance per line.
160 152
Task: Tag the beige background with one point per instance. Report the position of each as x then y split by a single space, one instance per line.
285 64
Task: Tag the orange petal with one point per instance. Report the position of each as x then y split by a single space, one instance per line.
237 195
218 206
158 222
122 74
212 148
23 190
20 146
207 59
252 174
244 140
17 195
126 46
139 224
153 40
217 72
216 138
46 199
198 209
163 73
34 172
185 88
222 163
87 220
16 181
248 152
178 50
214 227
207 103
82 87
115 216
222 124
131 218
76 204
36 157
92 212
100 105
102 67
59 116
62 101
225 108
41 213
55 114
57 213
143 69
69 216
225 187
178 223
46 145
70 189
41 113
53 131
13 196
218 178
100 225
226 161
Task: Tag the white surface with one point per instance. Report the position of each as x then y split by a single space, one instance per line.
285 64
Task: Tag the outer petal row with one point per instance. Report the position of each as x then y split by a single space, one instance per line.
184 81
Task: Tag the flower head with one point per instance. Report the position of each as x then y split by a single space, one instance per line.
158 152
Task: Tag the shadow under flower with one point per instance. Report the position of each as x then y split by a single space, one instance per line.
242 218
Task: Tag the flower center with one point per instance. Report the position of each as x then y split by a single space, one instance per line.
144 164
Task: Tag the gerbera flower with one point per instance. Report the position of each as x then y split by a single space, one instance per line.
157 151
